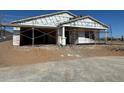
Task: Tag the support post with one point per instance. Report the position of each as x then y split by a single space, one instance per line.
63 32
111 33
106 36
33 37
95 36
63 36
58 36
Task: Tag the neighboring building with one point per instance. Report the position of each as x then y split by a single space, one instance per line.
57 28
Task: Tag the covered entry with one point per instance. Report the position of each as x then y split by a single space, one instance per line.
36 36
82 30
78 35
71 35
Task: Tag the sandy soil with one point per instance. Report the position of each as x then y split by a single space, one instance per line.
10 55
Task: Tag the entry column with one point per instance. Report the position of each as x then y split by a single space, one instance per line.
63 36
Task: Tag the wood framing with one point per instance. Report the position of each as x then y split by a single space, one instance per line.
60 28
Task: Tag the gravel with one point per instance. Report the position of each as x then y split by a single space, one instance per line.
94 69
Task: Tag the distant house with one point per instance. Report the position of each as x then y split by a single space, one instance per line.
59 28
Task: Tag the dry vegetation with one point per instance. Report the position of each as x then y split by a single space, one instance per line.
10 55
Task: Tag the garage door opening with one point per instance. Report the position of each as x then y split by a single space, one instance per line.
41 36
67 37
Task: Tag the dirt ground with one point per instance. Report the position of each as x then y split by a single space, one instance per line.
53 63
92 69
10 55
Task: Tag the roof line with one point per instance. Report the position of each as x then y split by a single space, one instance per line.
45 15
79 18
18 25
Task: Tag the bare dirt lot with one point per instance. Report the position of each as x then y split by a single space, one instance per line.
53 63
10 55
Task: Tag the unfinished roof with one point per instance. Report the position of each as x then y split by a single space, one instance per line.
76 20
41 16
63 18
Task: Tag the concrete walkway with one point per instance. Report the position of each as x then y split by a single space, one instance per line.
85 69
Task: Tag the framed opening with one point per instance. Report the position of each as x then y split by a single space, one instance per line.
90 34
67 37
41 36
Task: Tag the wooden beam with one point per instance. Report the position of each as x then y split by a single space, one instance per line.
20 25
33 36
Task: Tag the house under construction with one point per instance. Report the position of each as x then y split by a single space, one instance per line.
59 28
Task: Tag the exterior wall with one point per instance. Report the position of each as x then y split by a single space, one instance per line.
82 39
16 36
79 37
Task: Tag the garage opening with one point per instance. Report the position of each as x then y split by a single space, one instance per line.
40 36
67 37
